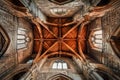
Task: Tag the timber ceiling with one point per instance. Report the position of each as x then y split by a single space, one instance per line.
54 37
60 39
60 34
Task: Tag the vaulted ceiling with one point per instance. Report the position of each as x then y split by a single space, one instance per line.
71 30
60 35
59 25
60 39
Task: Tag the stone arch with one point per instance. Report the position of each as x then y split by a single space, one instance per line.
19 75
62 53
115 41
4 41
106 75
18 72
102 70
60 77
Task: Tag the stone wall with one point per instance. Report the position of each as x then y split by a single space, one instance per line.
11 24
109 24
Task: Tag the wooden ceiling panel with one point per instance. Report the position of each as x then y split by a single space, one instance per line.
64 48
72 34
72 44
48 43
54 30
54 49
82 44
37 44
65 29
47 34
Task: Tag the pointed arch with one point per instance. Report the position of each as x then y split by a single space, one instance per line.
115 41
4 41
60 77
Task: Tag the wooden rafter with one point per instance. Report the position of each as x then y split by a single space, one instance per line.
73 51
66 24
46 51
65 53
41 43
70 23
46 27
52 24
73 28
44 39
38 27
79 45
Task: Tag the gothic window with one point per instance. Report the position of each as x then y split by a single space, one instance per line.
21 38
59 11
96 39
59 64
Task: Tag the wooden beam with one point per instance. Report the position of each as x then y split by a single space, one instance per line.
72 39
46 27
41 36
40 57
70 23
79 45
73 28
45 44
80 51
52 24
65 53
44 39
66 24
38 27
73 51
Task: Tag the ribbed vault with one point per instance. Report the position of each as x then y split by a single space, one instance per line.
59 38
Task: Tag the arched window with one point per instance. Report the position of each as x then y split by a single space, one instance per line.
59 64
96 39
59 11
22 38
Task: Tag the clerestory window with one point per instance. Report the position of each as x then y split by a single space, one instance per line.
59 64
21 38
96 39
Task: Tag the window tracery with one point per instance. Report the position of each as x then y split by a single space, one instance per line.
22 38
60 64
96 39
